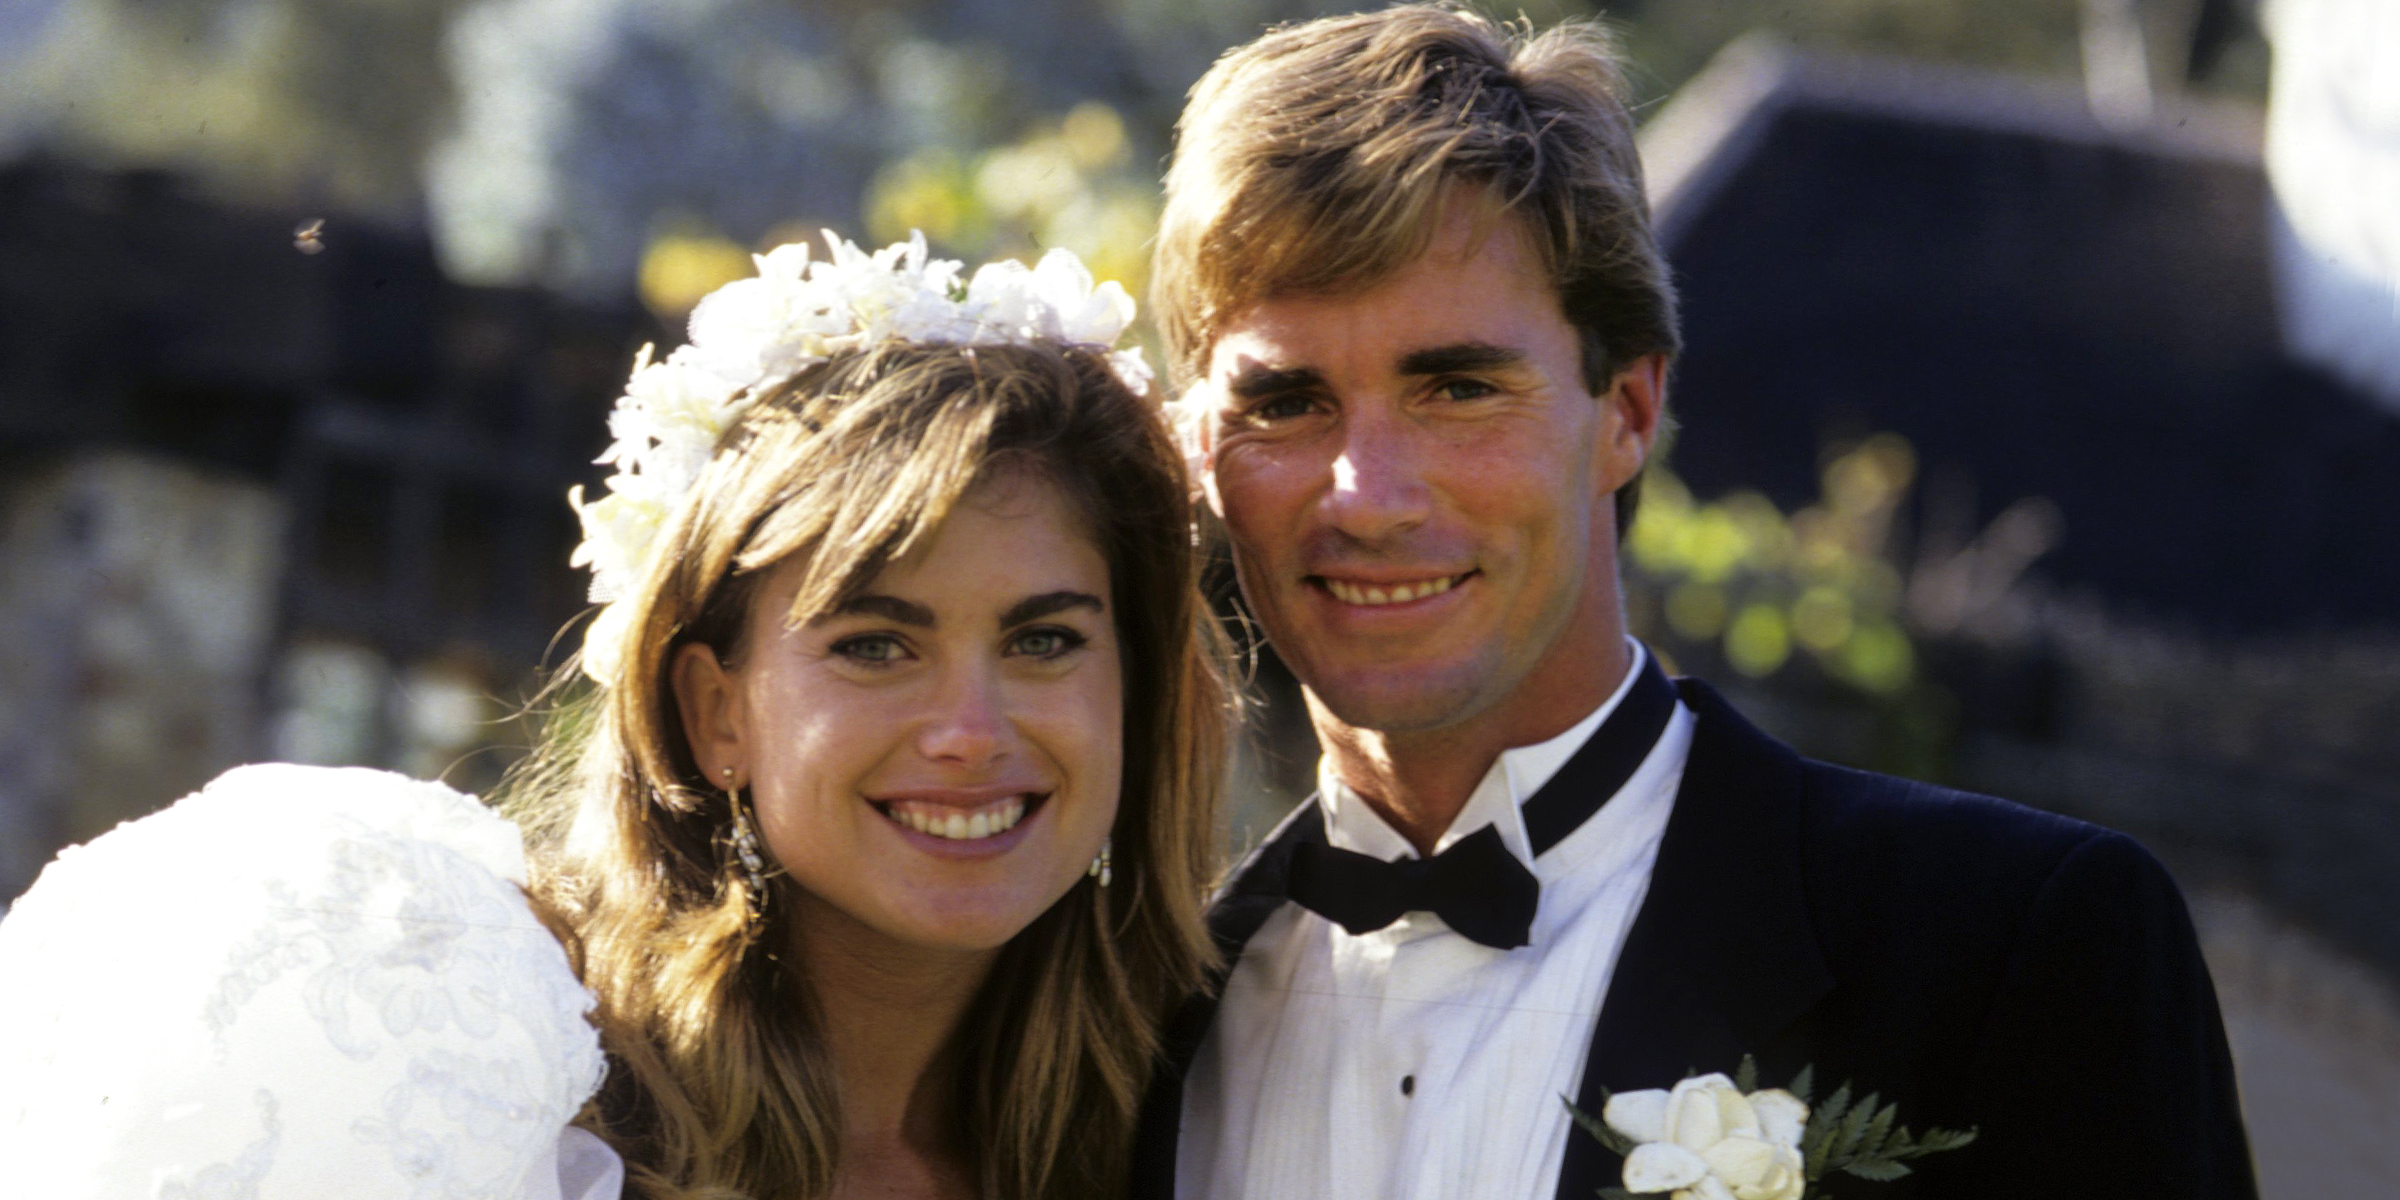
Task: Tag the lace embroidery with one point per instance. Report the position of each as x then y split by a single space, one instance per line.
236 1180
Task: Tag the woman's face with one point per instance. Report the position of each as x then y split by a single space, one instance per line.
939 760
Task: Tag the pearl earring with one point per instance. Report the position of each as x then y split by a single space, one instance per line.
1099 869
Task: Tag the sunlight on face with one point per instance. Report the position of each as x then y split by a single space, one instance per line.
938 761
1415 480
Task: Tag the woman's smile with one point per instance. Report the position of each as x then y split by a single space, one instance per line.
961 821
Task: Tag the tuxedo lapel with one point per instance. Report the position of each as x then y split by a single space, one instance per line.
1721 956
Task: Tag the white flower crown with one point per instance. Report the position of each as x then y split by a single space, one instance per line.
751 334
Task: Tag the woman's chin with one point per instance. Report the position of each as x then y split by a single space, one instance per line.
966 916
965 920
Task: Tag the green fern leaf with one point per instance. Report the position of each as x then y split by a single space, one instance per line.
1871 1144
1816 1140
1745 1077
1902 1144
1942 1139
1880 1170
1802 1082
1853 1129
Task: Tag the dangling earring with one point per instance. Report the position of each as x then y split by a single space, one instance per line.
1099 868
745 845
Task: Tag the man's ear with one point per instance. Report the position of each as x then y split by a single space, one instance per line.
1630 417
715 720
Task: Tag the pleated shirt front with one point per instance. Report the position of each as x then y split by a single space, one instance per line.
1410 1063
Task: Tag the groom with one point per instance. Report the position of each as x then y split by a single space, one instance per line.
1406 272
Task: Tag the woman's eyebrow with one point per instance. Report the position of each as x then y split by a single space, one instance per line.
1033 608
890 608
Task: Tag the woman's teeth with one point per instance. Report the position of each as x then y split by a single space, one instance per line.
1398 593
957 824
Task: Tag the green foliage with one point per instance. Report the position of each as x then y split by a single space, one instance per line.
1737 574
336 100
1069 182
1865 1138
1673 39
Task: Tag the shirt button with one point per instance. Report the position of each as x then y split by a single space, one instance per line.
1408 1085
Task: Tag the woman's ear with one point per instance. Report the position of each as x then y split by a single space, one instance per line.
714 717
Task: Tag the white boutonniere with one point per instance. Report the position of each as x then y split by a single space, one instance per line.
1717 1138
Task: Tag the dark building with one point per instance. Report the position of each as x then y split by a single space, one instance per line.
2208 653
276 488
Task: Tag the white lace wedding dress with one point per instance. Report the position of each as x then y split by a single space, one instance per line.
300 983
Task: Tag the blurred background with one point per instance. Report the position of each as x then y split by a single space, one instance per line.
2040 423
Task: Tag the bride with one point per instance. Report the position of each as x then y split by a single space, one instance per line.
869 868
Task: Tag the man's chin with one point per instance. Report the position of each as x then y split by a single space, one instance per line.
1399 701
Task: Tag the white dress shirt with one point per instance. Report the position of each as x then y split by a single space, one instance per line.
1411 1062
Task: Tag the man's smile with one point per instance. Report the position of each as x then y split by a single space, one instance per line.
1379 593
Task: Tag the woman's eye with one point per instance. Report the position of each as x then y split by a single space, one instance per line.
1046 643
872 648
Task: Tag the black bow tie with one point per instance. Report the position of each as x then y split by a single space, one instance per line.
1476 886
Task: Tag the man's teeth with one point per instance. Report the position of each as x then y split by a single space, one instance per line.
964 825
1400 593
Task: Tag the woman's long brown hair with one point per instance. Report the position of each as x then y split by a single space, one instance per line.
719 1083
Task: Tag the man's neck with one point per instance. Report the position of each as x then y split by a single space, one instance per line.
1419 781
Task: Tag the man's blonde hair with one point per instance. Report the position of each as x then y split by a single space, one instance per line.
1316 159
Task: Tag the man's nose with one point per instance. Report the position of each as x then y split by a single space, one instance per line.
969 723
1379 486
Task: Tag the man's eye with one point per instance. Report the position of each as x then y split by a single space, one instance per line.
1463 389
1279 408
1046 642
874 649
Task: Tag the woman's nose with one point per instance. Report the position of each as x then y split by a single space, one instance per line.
969 723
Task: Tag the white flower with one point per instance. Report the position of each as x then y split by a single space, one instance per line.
1705 1140
1080 312
604 644
1132 370
799 311
615 527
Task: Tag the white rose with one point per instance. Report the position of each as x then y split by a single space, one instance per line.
1705 1140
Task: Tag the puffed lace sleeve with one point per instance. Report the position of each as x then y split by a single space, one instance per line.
298 983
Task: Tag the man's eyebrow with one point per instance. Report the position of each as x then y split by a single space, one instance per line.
1034 608
1459 358
890 608
1256 379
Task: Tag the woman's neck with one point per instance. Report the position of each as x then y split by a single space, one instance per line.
891 1016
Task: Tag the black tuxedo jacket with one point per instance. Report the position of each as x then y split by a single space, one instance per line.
1982 964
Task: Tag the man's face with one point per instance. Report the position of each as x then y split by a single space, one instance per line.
1417 483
